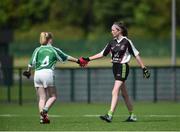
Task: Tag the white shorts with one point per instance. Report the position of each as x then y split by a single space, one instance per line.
44 78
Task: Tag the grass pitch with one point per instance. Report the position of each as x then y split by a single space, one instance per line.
106 62
162 116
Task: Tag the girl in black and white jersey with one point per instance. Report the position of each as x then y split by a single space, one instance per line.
121 49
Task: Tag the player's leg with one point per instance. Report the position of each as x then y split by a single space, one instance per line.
48 84
114 101
128 103
126 97
115 95
51 91
40 91
41 97
44 113
42 100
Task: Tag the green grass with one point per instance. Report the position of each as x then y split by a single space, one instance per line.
105 62
162 116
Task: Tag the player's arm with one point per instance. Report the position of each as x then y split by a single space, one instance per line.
139 61
146 72
103 53
80 61
83 61
73 59
97 56
65 57
61 56
27 73
32 62
135 53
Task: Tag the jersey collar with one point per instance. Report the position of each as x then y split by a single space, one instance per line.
119 39
49 44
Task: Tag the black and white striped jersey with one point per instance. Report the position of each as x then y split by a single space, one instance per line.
121 50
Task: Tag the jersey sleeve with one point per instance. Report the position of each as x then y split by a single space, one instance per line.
132 49
106 50
61 55
32 61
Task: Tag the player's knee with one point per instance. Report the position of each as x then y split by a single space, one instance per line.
54 98
115 93
42 98
123 96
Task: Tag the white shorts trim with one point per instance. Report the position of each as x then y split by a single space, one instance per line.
44 78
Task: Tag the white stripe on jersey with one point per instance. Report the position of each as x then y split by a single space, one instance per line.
103 50
59 58
34 59
136 52
57 55
127 56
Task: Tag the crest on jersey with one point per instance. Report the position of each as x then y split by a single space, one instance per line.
122 47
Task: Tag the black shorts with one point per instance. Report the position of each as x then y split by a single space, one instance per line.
120 71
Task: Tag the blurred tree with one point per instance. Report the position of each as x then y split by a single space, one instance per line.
23 13
178 17
77 13
6 12
152 16
106 12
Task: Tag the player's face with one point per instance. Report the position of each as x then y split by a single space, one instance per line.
115 32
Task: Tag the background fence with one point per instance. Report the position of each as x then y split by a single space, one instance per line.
95 85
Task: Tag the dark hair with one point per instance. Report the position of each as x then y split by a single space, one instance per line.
123 27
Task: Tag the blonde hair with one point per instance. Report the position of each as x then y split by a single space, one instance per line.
44 37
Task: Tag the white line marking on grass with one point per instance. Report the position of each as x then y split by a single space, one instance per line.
9 115
160 116
87 115
137 115
91 115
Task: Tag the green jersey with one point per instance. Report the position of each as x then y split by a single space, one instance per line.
46 56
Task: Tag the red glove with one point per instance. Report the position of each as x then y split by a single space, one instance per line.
83 62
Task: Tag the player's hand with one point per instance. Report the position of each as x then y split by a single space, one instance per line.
83 62
146 73
86 59
27 74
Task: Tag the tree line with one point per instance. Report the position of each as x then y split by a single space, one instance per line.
144 17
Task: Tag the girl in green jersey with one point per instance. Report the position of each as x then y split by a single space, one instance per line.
43 60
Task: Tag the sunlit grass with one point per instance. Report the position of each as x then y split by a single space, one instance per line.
161 116
105 62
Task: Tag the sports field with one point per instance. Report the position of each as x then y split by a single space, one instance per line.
162 116
105 62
